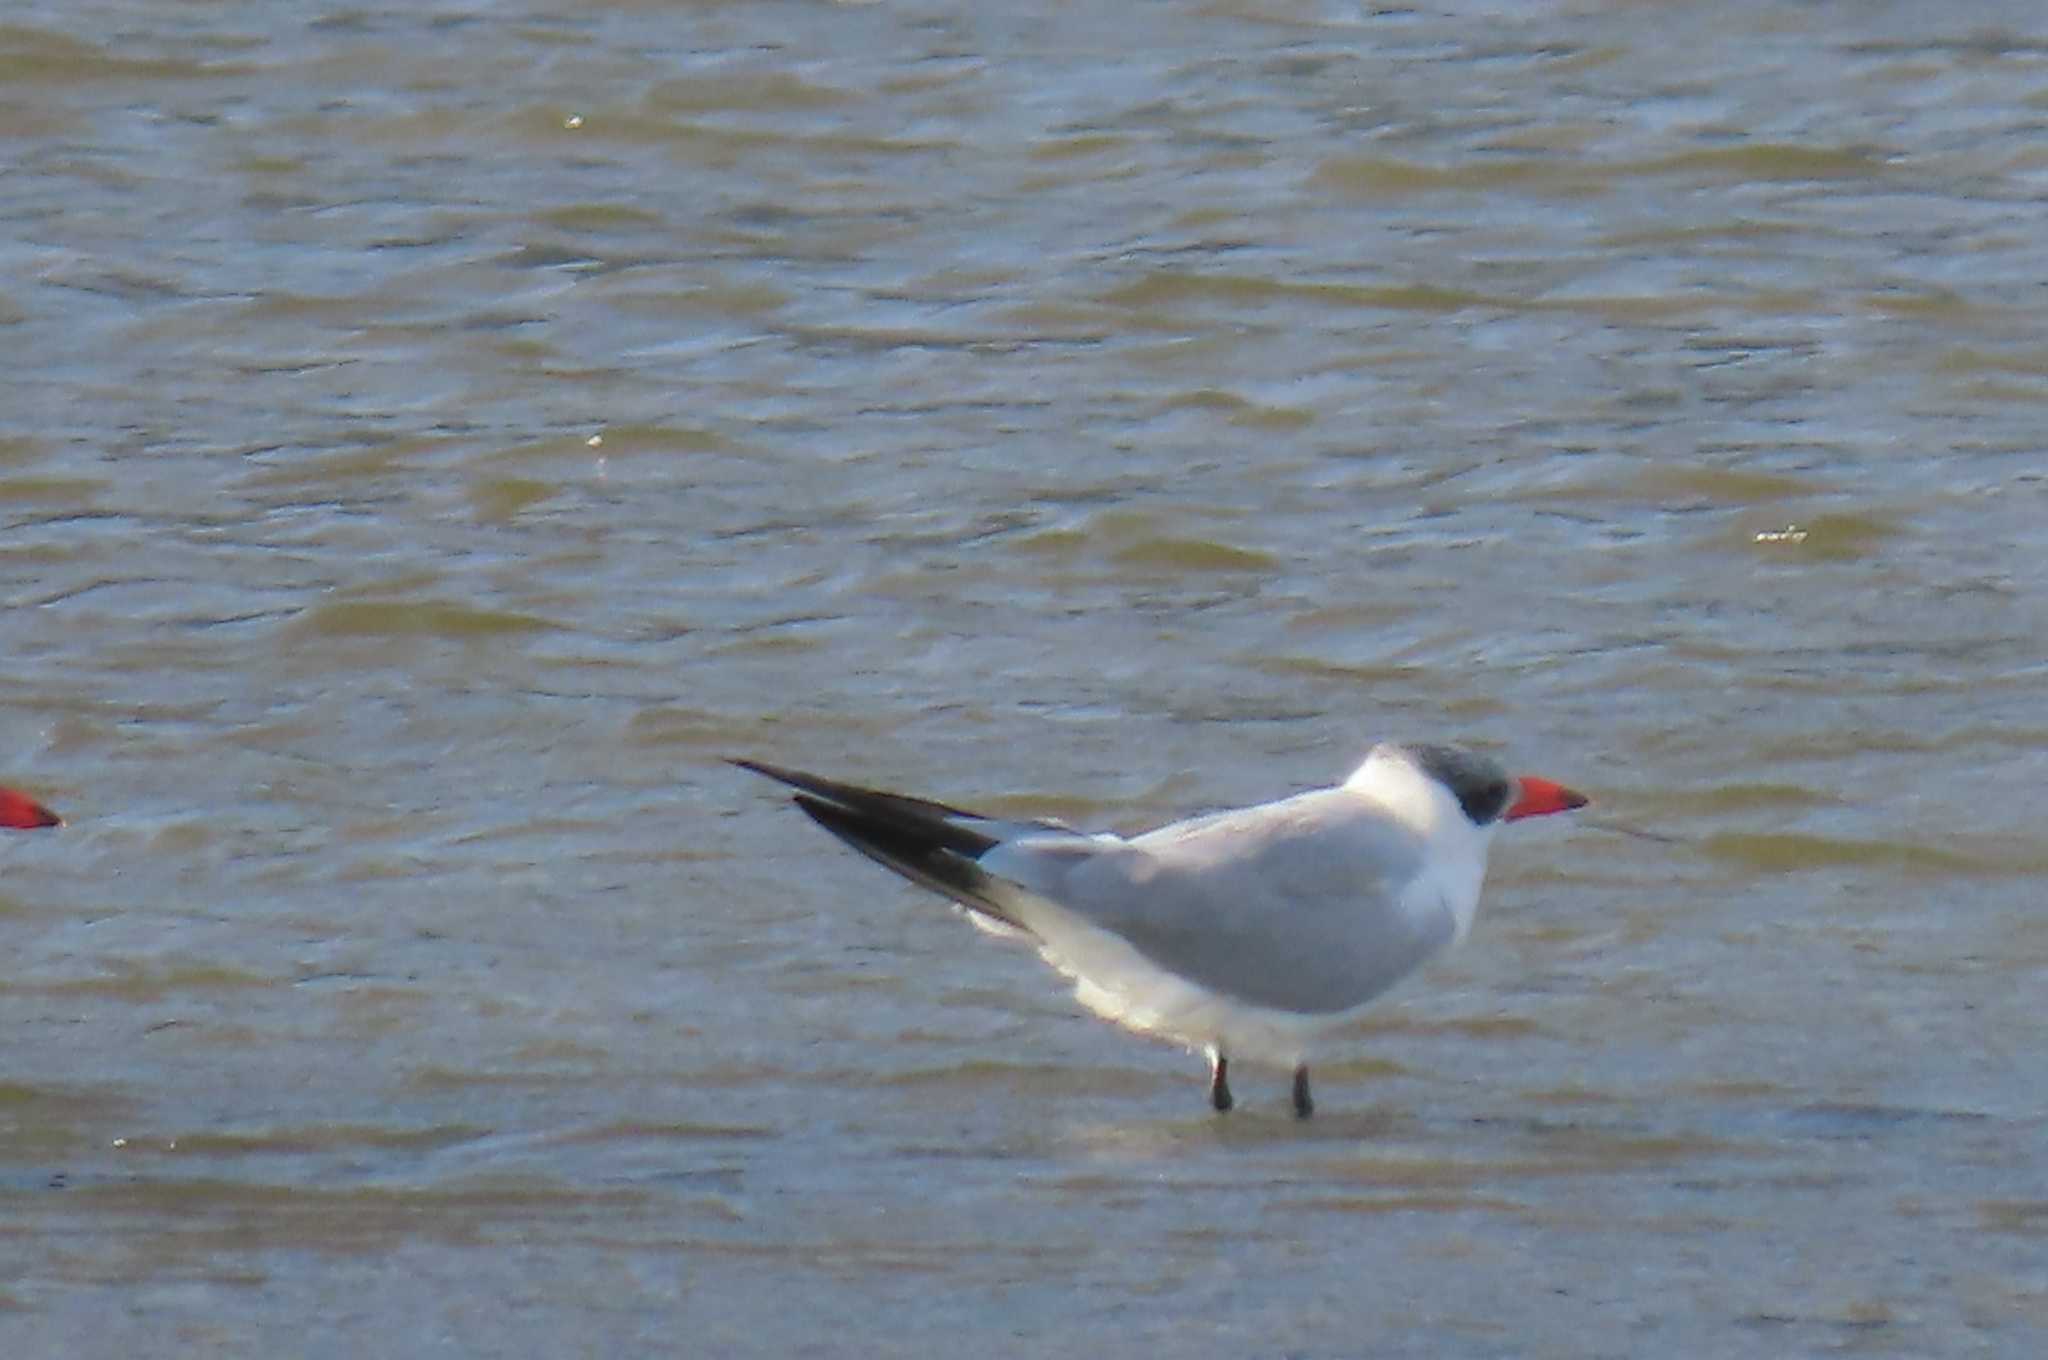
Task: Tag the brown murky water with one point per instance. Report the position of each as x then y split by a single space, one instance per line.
430 435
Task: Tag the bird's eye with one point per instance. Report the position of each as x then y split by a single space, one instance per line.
1487 801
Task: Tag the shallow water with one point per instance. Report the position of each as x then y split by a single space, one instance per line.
431 436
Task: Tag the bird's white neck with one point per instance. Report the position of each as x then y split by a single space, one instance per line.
1454 850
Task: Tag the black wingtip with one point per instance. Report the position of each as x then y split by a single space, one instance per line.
923 853
783 774
796 779
862 797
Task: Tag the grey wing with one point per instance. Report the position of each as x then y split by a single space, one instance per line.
1299 906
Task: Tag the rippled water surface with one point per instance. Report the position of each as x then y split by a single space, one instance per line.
431 435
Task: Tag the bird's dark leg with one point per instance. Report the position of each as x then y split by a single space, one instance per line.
1304 1103
1219 1082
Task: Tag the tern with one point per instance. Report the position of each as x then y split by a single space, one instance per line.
19 812
1251 933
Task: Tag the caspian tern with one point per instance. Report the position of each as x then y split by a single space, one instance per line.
19 812
1243 934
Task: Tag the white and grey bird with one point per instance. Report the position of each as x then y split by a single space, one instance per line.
1245 934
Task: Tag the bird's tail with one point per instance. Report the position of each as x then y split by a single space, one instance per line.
931 844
